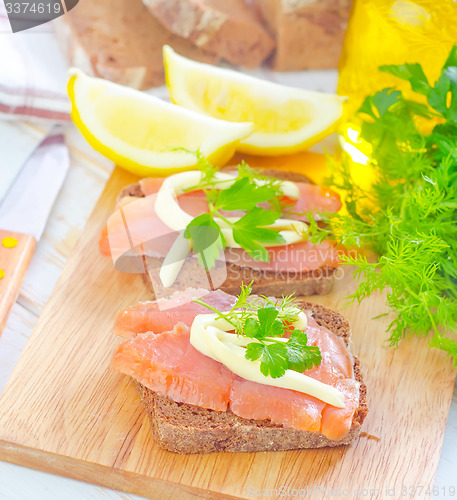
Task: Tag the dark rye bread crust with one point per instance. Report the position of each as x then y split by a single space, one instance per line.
316 282
228 278
184 428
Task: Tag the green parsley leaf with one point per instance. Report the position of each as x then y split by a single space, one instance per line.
300 355
243 194
206 238
273 358
251 327
439 95
267 324
451 58
254 351
266 321
247 305
413 73
270 325
249 190
378 104
250 235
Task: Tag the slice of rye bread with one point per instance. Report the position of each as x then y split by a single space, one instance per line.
185 428
228 28
121 41
309 33
230 275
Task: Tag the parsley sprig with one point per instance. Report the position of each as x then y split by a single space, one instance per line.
409 215
266 322
246 194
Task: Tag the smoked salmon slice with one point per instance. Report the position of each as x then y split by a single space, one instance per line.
161 315
312 196
280 406
336 422
315 198
166 363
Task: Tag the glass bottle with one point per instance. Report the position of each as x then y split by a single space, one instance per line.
394 32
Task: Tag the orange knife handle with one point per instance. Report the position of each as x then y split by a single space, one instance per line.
16 250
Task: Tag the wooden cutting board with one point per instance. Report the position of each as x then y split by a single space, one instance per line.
64 411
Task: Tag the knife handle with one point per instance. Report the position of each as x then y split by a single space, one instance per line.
16 250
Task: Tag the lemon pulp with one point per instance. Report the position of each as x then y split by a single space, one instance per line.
239 102
286 119
145 127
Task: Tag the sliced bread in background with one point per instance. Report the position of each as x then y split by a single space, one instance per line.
309 33
121 41
227 28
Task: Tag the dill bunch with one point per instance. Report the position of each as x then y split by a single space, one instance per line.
409 214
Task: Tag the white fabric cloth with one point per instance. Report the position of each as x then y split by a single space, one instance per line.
28 88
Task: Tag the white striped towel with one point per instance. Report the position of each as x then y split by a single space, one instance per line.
33 74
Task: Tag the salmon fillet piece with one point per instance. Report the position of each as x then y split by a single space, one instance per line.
295 409
169 363
312 197
161 315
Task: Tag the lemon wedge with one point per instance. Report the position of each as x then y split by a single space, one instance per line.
286 119
144 134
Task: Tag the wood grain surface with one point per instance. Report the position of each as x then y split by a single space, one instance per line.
16 250
64 411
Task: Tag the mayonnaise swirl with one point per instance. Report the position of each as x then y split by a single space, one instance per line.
211 337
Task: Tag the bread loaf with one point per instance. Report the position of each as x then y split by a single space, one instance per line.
121 41
226 28
309 33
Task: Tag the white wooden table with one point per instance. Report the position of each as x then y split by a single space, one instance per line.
84 184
